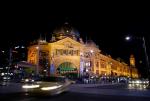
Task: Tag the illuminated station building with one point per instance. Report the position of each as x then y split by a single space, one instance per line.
67 54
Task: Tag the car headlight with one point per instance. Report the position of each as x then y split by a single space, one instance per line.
144 82
26 80
133 81
51 88
137 81
30 86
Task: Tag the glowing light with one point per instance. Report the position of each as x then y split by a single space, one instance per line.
137 82
30 86
128 38
6 78
91 51
37 47
87 70
22 47
51 88
26 80
81 53
16 47
2 74
130 81
133 81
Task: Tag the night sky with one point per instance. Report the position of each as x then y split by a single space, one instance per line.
107 25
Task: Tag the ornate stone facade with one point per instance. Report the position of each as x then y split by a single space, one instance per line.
66 53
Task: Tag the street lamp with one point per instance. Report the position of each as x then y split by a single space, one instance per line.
145 51
37 68
127 37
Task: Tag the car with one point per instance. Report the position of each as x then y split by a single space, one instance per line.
6 78
47 86
138 81
27 80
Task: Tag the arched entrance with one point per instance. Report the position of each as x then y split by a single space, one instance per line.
68 69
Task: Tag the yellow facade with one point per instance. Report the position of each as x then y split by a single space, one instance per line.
82 58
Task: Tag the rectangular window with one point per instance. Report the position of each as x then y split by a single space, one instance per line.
64 52
97 64
97 72
103 65
113 67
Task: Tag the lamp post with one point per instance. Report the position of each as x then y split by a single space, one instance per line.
145 51
37 68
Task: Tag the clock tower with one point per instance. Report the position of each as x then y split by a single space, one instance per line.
132 60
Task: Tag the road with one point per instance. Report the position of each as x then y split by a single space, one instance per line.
111 89
81 92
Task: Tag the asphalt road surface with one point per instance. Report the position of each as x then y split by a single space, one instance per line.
71 96
85 93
